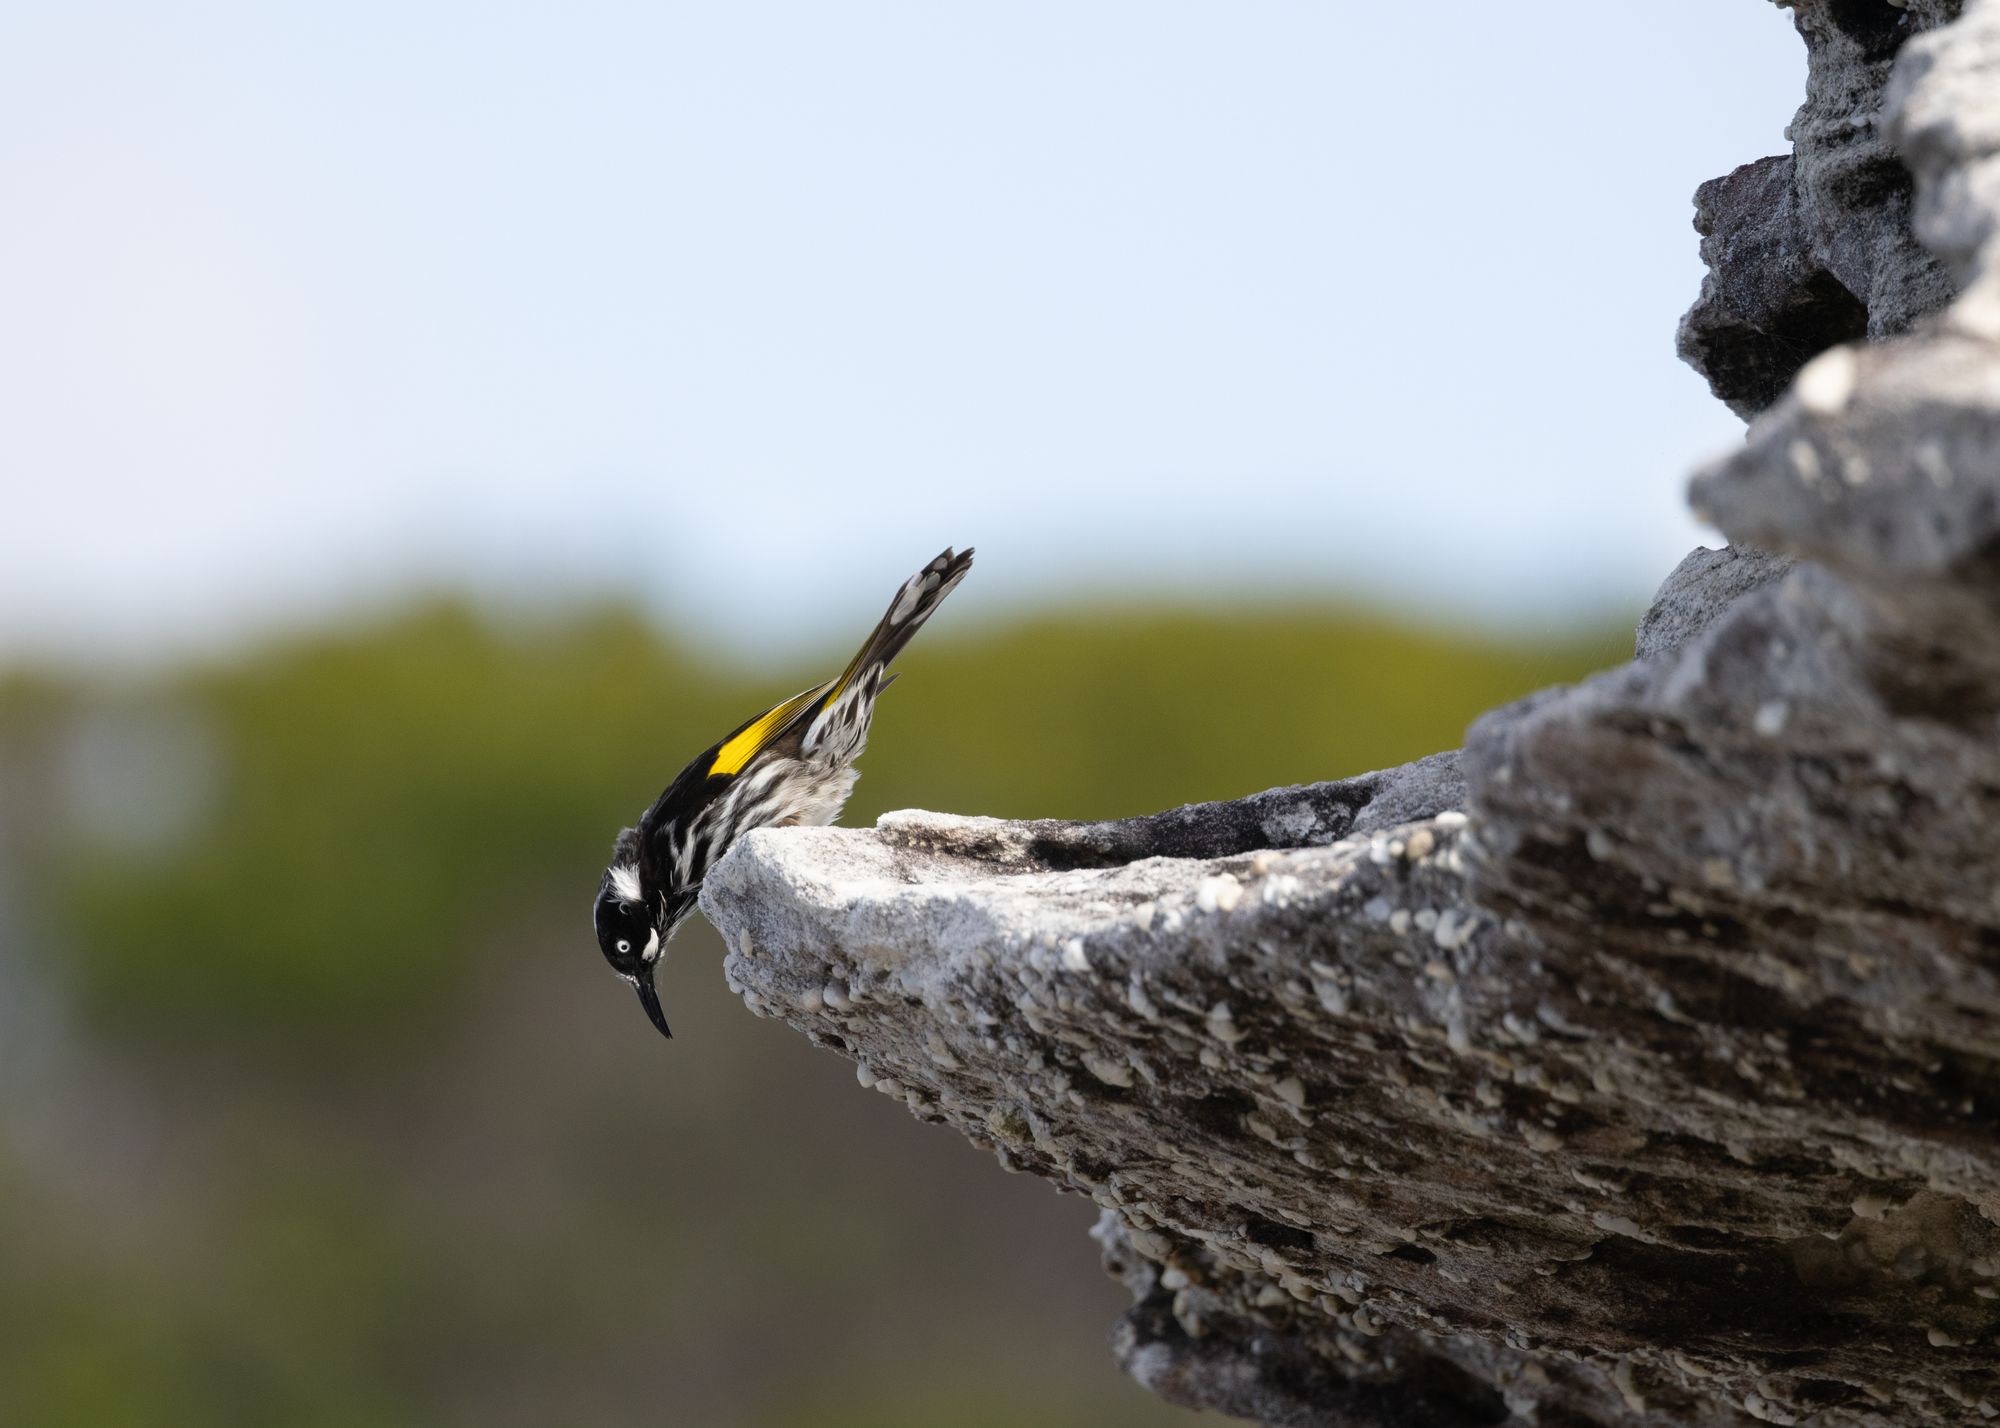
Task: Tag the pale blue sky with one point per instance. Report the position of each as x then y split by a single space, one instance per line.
746 310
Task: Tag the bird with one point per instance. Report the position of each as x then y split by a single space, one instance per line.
791 764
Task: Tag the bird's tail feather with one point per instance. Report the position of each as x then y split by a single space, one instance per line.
921 594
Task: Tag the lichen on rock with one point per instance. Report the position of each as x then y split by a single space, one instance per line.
1642 1063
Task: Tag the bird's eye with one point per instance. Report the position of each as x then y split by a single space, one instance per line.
623 945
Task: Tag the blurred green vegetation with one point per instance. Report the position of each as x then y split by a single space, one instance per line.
356 1130
394 797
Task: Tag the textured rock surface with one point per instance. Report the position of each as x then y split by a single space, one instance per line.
1641 1064
1814 248
1698 590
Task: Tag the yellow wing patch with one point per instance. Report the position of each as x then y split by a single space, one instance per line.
742 746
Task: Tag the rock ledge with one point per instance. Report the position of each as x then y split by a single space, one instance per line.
1640 1065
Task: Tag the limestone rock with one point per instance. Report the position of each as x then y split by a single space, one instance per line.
1814 248
1640 1065
1698 590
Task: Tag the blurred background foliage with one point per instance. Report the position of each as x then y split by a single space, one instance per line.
317 1105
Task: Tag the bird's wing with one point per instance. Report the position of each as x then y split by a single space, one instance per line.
736 751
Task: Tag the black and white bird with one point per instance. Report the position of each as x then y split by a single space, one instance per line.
793 763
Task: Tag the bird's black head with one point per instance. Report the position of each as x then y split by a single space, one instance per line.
632 933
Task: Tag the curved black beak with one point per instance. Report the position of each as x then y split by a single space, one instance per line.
649 998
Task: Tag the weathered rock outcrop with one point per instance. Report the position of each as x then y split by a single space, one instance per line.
1814 248
1642 1063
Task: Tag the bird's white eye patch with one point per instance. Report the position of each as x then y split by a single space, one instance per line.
623 945
625 882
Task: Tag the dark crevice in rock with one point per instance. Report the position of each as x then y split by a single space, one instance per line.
1261 1375
1307 816
1877 26
1751 357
